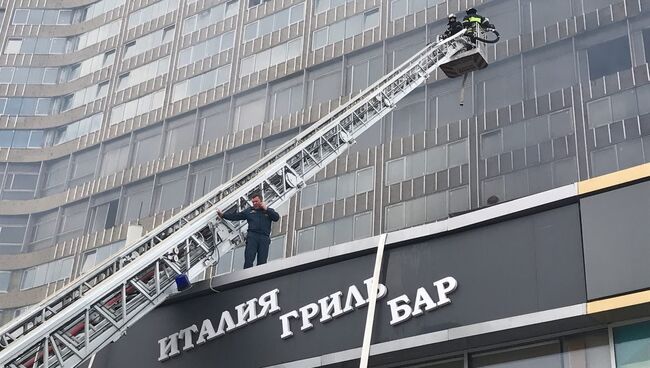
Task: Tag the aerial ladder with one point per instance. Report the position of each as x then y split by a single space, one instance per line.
98 307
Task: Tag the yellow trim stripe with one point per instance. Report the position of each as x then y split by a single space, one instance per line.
618 302
613 179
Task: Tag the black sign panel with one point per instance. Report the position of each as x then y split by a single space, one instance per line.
511 268
616 237
258 343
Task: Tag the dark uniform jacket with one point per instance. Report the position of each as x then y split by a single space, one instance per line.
453 28
470 20
259 221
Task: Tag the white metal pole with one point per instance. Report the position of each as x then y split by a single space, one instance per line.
370 318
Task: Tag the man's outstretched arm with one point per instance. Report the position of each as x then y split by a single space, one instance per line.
233 216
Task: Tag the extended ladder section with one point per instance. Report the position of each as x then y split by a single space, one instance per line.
98 307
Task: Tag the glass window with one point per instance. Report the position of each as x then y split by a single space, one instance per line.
136 202
20 16
46 273
395 217
214 122
609 57
325 86
115 157
249 113
169 191
319 38
345 186
204 177
631 345
353 26
12 234
104 215
84 165
458 153
147 147
599 112
305 240
286 99
5 277
646 44
13 46
180 135
395 171
324 235
210 16
550 69
370 19
363 225
308 196
276 248
6 74
73 219
365 180
327 190
398 9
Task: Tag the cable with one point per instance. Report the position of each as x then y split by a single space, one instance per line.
496 33
215 264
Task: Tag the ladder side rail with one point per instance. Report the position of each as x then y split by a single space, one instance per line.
134 267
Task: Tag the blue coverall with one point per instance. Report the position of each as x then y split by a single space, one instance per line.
259 230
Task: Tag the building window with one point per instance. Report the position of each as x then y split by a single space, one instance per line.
5 277
151 12
21 138
345 28
43 16
274 22
427 162
339 187
24 75
201 83
210 16
273 56
252 3
143 73
323 5
334 232
148 42
170 191
137 107
205 49
96 256
101 7
12 233
286 98
631 345
103 216
401 8
20 181
13 46
646 44
46 273
609 57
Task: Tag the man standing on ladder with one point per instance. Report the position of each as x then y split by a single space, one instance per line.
259 219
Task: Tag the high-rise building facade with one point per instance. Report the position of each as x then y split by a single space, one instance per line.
121 112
